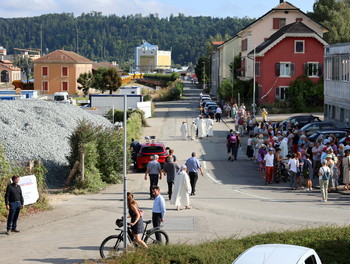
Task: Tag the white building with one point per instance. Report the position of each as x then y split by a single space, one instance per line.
337 83
148 58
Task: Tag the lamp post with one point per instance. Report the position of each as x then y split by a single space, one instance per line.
203 75
233 73
254 83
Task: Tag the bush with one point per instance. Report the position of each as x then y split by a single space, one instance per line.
172 92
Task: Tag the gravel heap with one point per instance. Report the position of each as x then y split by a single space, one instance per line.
38 129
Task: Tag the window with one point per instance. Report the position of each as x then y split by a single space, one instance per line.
65 86
345 68
311 260
45 71
280 93
65 71
313 69
299 46
278 23
45 86
328 69
244 44
285 69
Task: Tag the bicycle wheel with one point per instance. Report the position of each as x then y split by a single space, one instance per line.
158 237
112 246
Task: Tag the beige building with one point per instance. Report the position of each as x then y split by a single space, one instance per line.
9 72
58 71
149 58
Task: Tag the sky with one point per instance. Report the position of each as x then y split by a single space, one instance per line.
164 8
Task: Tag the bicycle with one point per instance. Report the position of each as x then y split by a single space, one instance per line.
113 245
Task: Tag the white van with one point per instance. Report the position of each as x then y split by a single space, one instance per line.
278 254
62 97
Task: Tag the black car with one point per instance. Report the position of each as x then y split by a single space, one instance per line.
338 133
313 127
300 120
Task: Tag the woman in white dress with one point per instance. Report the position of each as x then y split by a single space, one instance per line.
183 130
202 129
182 189
346 165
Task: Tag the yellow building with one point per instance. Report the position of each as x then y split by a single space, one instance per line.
59 70
149 58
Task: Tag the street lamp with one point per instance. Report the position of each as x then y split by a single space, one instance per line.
233 73
203 75
254 82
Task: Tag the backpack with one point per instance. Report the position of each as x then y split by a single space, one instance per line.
326 175
232 139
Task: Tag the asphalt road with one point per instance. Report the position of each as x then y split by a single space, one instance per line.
231 201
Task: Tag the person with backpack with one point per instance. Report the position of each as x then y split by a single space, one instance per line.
231 144
324 175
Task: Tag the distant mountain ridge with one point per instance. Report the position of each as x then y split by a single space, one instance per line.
100 37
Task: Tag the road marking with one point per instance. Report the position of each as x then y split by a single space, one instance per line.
252 195
204 165
213 179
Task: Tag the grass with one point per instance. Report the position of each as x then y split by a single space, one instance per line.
330 243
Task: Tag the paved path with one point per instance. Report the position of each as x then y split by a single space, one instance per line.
231 201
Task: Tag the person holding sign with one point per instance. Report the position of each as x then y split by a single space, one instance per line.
14 202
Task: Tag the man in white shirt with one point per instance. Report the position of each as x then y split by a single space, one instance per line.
218 114
324 175
293 165
269 157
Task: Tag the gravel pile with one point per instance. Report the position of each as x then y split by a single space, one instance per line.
38 129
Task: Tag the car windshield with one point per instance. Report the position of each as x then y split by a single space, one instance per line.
152 149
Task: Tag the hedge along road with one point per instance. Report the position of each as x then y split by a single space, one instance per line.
231 200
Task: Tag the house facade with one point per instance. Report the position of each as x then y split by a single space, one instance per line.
148 58
59 70
337 83
292 51
9 72
261 29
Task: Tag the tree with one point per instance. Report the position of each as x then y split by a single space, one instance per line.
85 80
26 65
225 90
107 79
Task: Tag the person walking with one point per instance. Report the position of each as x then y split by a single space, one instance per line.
209 127
170 170
182 189
218 113
14 203
183 131
158 209
346 169
193 165
136 222
193 130
202 131
155 172
308 172
264 115
324 176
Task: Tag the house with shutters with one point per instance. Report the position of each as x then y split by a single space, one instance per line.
59 70
292 51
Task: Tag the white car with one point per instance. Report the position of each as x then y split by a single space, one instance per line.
278 254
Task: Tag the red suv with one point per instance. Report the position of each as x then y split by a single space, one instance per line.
149 149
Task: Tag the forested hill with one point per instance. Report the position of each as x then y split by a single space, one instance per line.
114 38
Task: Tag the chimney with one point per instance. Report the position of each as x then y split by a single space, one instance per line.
281 1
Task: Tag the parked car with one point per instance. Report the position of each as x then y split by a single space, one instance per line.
300 120
149 149
278 254
206 104
201 102
210 110
205 96
313 127
338 133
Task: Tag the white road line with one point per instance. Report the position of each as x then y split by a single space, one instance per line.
213 179
204 165
252 195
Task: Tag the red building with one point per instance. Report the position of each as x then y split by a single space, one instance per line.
292 51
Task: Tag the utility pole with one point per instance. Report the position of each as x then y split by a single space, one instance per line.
203 75
233 73
254 83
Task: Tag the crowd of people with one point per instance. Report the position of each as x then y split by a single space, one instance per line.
283 153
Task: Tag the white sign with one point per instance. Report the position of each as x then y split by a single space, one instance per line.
29 189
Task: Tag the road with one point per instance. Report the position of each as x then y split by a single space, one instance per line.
231 201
